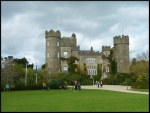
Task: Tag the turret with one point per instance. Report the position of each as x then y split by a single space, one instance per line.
53 50
52 33
106 50
121 40
121 53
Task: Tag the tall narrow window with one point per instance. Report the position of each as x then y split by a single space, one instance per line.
47 54
66 54
57 43
47 43
57 54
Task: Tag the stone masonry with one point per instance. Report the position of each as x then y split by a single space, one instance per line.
57 47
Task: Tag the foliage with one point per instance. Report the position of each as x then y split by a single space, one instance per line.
85 69
140 68
113 69
22 61
142 82
99 72
82 69
54 84
71 63
43 66
120 79
87 82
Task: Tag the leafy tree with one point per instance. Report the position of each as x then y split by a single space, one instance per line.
99 72
140 68
43 66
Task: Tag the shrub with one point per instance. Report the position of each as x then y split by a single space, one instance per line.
87 82
140 85
54 84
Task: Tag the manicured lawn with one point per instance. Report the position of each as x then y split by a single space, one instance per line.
68 100
141 90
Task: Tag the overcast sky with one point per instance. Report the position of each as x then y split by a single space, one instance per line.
95 23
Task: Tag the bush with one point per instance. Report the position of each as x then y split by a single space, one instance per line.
54 84
140 85
142 82
120 79
87 82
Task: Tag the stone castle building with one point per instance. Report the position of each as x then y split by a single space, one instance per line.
57 47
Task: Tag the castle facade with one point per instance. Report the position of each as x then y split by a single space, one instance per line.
58 47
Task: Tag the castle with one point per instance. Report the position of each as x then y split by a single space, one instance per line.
63 47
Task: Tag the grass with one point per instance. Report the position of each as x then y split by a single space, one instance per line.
86 100
141 90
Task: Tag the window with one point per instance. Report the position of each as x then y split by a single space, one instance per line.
90 60
107 69
47 43
66 54
47 54
65 68
92 71
57 43
57 54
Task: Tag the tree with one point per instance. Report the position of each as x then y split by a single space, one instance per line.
99 72
143 56
43 66
140 64
140 68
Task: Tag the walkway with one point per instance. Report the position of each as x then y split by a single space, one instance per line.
114 88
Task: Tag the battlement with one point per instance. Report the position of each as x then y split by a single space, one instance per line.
105 48
121 40
52 33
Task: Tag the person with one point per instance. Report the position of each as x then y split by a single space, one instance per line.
62 86
79 86
43 84
75 82
101 83
98 84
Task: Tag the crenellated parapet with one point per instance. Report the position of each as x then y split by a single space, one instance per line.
52 33
105 48
121 40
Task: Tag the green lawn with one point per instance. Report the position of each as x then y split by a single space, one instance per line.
68 100
141 90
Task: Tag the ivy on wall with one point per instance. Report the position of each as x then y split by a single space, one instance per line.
71 63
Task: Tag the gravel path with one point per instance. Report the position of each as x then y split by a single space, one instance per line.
114 88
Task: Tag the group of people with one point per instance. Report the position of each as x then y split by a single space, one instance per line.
77 85
99 83
63 86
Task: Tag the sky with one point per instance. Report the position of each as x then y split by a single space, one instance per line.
95 23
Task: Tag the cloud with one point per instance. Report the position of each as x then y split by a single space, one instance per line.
95 23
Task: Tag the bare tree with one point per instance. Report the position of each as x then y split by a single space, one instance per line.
143 56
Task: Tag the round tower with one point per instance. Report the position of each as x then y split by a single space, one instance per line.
121 53
53 51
